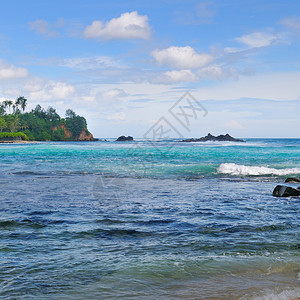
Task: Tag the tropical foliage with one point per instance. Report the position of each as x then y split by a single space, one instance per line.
13 135
39 124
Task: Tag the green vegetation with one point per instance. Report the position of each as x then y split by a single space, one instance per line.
38 124
14 135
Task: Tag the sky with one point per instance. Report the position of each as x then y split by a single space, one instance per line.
127 65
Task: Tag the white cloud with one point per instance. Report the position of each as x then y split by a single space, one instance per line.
217 72
113 93
181 57
50 90
213 72
8 71
129 25
258 39
84 63
42 27
176 76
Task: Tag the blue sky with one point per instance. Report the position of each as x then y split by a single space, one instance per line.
124 64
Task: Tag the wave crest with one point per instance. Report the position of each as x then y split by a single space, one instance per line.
234 169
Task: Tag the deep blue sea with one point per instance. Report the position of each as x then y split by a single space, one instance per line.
140 220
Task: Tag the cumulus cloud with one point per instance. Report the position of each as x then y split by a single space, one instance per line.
50 90
129 25
176 76
181 57
43 27
258 39
8 71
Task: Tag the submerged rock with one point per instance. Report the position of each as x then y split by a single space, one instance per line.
285 191
123 138
219 138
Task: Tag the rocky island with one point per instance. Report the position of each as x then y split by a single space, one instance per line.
212 138
124 138
40 124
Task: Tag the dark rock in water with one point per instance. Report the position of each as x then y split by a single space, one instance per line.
285 191
292 180
219 138
123 138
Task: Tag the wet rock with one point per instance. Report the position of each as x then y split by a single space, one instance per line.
292 180
285 191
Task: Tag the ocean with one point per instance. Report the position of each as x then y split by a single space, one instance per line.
141 220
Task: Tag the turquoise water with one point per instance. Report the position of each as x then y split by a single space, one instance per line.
138 220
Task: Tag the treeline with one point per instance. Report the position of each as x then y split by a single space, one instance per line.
39 124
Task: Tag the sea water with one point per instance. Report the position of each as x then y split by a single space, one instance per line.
164 220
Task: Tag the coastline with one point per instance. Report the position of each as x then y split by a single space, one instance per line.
37 142
19 142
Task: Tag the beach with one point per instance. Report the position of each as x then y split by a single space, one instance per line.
18 142
138 220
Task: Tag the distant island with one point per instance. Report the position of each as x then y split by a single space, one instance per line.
124 138
40 124
212 138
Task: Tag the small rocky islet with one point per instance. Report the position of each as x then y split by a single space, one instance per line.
124 138
212 138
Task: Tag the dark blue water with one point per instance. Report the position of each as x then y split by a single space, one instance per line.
134 220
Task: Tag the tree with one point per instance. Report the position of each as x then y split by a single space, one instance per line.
7 104
70 114
16 109
39 112
76 125
21 101
12 122
3 124
52 115
2 109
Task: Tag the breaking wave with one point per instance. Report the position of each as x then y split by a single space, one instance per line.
234 169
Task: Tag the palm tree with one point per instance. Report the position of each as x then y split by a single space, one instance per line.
22 102
13 122
7 103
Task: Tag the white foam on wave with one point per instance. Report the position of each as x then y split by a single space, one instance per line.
226 144
234 169
291 294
